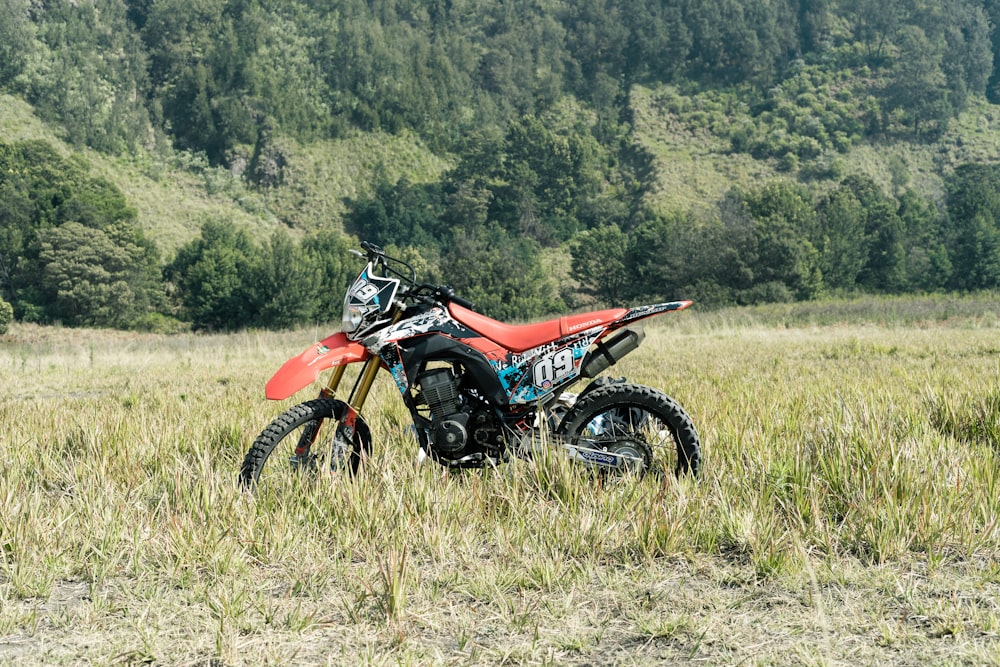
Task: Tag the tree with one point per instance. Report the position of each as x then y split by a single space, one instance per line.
787 258
500 273
658 42
402 213
736 41
781 199
70 250
885 266
601 265
784 221
918 85
840 239
968 57
90 278
597 37
662 256
682 255
928 266
327 252
973 234
992 10
284 286
813 17
198 65
874 22
545 175
17 40
89 74
212 277
6 316
16 228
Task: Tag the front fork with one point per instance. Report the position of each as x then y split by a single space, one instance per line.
347 424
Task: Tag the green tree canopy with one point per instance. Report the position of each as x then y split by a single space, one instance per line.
501 274
840 239
212 275
6 316
601 263
70 249
91 278
973 234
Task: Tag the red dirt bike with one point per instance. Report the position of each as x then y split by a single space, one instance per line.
478 390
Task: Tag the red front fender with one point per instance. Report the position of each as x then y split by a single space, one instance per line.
303 370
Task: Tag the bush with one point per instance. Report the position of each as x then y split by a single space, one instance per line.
769 292
6 316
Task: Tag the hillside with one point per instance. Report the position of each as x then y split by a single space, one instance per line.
171 198
695 167
732 153
175 193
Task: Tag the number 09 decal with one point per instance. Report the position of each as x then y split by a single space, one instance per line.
553 368
364 291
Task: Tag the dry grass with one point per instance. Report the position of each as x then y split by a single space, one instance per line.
847 513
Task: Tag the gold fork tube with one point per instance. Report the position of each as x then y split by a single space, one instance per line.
368 373
331 387
365 382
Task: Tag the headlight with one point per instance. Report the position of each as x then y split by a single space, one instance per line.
352 318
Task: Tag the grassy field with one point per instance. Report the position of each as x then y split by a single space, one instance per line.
847 513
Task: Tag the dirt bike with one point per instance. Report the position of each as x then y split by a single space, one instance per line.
479 391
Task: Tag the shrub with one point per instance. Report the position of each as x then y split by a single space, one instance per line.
772 291
6 315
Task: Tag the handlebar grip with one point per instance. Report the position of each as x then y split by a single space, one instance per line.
464 303
446 294
372 249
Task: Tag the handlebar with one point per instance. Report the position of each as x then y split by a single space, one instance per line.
450 295
377 256
427 293
374 251
435 294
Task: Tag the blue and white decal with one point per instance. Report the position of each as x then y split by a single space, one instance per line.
536 373
390 355
371 292
368 298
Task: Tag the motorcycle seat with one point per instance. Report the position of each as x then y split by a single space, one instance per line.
521 337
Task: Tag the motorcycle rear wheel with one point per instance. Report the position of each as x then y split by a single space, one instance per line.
311 426
625 416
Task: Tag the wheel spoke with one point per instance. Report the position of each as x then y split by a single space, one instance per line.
636 422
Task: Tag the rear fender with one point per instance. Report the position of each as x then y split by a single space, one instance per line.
642 312
301 371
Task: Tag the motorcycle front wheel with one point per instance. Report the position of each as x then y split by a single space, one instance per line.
304 436
645 425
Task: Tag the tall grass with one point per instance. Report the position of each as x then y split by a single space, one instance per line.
847 512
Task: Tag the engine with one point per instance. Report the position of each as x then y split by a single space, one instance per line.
460 426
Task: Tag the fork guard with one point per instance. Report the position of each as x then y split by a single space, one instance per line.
301 371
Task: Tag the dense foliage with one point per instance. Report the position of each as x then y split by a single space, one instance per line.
779 242
224 279
227 76
6 316
531 102
70 250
